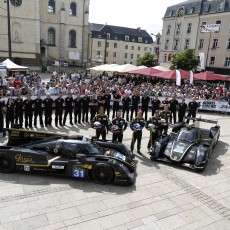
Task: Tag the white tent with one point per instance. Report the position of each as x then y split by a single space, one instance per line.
11 66
125 68
162 68
105 67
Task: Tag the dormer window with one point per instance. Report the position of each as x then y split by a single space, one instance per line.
191 10
139 39
108 36
133 40
206 8
180 12
115 38
146 41
171 14
98 36
221 6
126 38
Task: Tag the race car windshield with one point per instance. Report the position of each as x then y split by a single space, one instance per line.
80 148
185 135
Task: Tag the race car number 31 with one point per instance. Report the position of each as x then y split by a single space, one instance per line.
78 173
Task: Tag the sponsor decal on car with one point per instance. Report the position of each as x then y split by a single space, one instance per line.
23 159
78 173
179 149
88 166
58 166
26 168
119 156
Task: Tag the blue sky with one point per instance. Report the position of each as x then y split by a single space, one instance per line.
146 14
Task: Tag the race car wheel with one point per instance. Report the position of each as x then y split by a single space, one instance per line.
7 163
102 174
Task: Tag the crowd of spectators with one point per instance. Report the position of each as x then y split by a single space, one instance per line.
125 84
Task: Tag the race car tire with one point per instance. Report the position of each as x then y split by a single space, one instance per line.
102 174
7 163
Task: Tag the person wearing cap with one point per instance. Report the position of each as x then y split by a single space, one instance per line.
121 124
38 110
182 107
104 121
48 108
28 108
19 110
68 108
137 134
58 102
165 115
156 121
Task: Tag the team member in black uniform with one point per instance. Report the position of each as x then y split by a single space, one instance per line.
9 112
48 107
85 108
59 102
103 119
2 108
155 105
173 106
100 100
116 101
68 108
192 108
165 115
137 134
19 110
121 124
77 109
93 107
28 107
145 104
156 121
126 103
135 100
165 102
107 97
182 107
38 110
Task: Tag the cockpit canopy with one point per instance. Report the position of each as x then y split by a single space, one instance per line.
188 135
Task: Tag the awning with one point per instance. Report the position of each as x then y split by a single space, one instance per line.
171 75
207 76
14 67
146 71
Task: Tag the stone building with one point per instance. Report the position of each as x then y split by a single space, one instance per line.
118 45
45 31
202 25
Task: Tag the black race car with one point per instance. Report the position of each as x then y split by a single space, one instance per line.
188 146
78 157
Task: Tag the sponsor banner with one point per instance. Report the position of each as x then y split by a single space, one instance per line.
210 28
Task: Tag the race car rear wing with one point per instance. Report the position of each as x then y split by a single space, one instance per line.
202 120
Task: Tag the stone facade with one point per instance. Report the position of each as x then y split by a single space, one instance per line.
183 28
43 31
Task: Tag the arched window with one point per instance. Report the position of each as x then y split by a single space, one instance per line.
73 9
51 6
72 38
51 36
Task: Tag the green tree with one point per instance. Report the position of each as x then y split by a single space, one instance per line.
148 60
186 60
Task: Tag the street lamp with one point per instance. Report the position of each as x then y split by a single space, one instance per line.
106 38
210 31
158 37
9 28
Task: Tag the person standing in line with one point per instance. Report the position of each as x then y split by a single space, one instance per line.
116 102
9 112
107 97
173 107
155 105
100 100
28 108
48 107
19 110
59 102
126 104
182 107
38 111
93 107
85 108
145 104
192 108
2 109
77 109
68 108
135 100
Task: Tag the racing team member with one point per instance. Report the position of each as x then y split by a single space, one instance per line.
93 107
192 108
107 98
103 119
135 100
85 108
156 120
145 104
19 110
68 108
137 134
9 112
28 107
77 109
48 104
126 103
165 114
182 107
122 125
165 102
100 100
59 102
155 104
173 106
38 111
2 108
116 101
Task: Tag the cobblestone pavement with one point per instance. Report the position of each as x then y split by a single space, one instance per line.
164 196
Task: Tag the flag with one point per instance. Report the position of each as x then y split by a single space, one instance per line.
178 77
191 77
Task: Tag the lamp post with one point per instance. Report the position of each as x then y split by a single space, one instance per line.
158 37
9 28
106 38
210 31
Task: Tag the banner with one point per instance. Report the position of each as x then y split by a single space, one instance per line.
178 77
191 76
210 28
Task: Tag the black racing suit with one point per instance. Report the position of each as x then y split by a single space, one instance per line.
103 119
9 113
126 103
48 103
19 111
58 110
93 108
77 110
192 108
122 125
181 111
165 115
135 100
38 111
68 110
145 106
28 105
137 134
